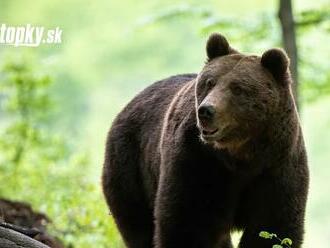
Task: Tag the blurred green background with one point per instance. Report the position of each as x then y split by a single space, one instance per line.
52 132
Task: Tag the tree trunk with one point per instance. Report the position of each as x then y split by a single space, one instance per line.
289 41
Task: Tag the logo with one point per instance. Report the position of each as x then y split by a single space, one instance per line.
29 36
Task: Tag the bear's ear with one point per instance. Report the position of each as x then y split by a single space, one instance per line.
217 46
277 62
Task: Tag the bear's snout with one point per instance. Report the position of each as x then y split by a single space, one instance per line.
206 113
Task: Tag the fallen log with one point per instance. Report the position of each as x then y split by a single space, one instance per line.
20 217
10 238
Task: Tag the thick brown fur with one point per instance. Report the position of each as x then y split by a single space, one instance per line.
170 182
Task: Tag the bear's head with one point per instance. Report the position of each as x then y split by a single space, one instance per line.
237 95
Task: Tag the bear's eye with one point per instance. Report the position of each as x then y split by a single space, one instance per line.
236 90
210 82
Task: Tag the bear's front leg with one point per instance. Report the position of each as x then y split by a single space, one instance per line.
276 204
189 209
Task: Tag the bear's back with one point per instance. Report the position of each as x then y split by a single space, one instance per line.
147 110
136 131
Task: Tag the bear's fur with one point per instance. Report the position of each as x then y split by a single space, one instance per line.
194 157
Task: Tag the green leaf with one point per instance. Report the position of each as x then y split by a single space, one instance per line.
277 246
265 235
286 241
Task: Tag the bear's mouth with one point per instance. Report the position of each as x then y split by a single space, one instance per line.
209 132
216 134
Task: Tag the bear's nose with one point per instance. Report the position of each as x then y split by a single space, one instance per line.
206 112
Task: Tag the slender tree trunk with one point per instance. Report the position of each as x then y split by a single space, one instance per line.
285 15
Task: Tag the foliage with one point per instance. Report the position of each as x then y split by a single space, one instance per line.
39 166
237 28
174 12
286 242
312 17
26 107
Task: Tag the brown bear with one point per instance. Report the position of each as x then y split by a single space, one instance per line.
195 156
